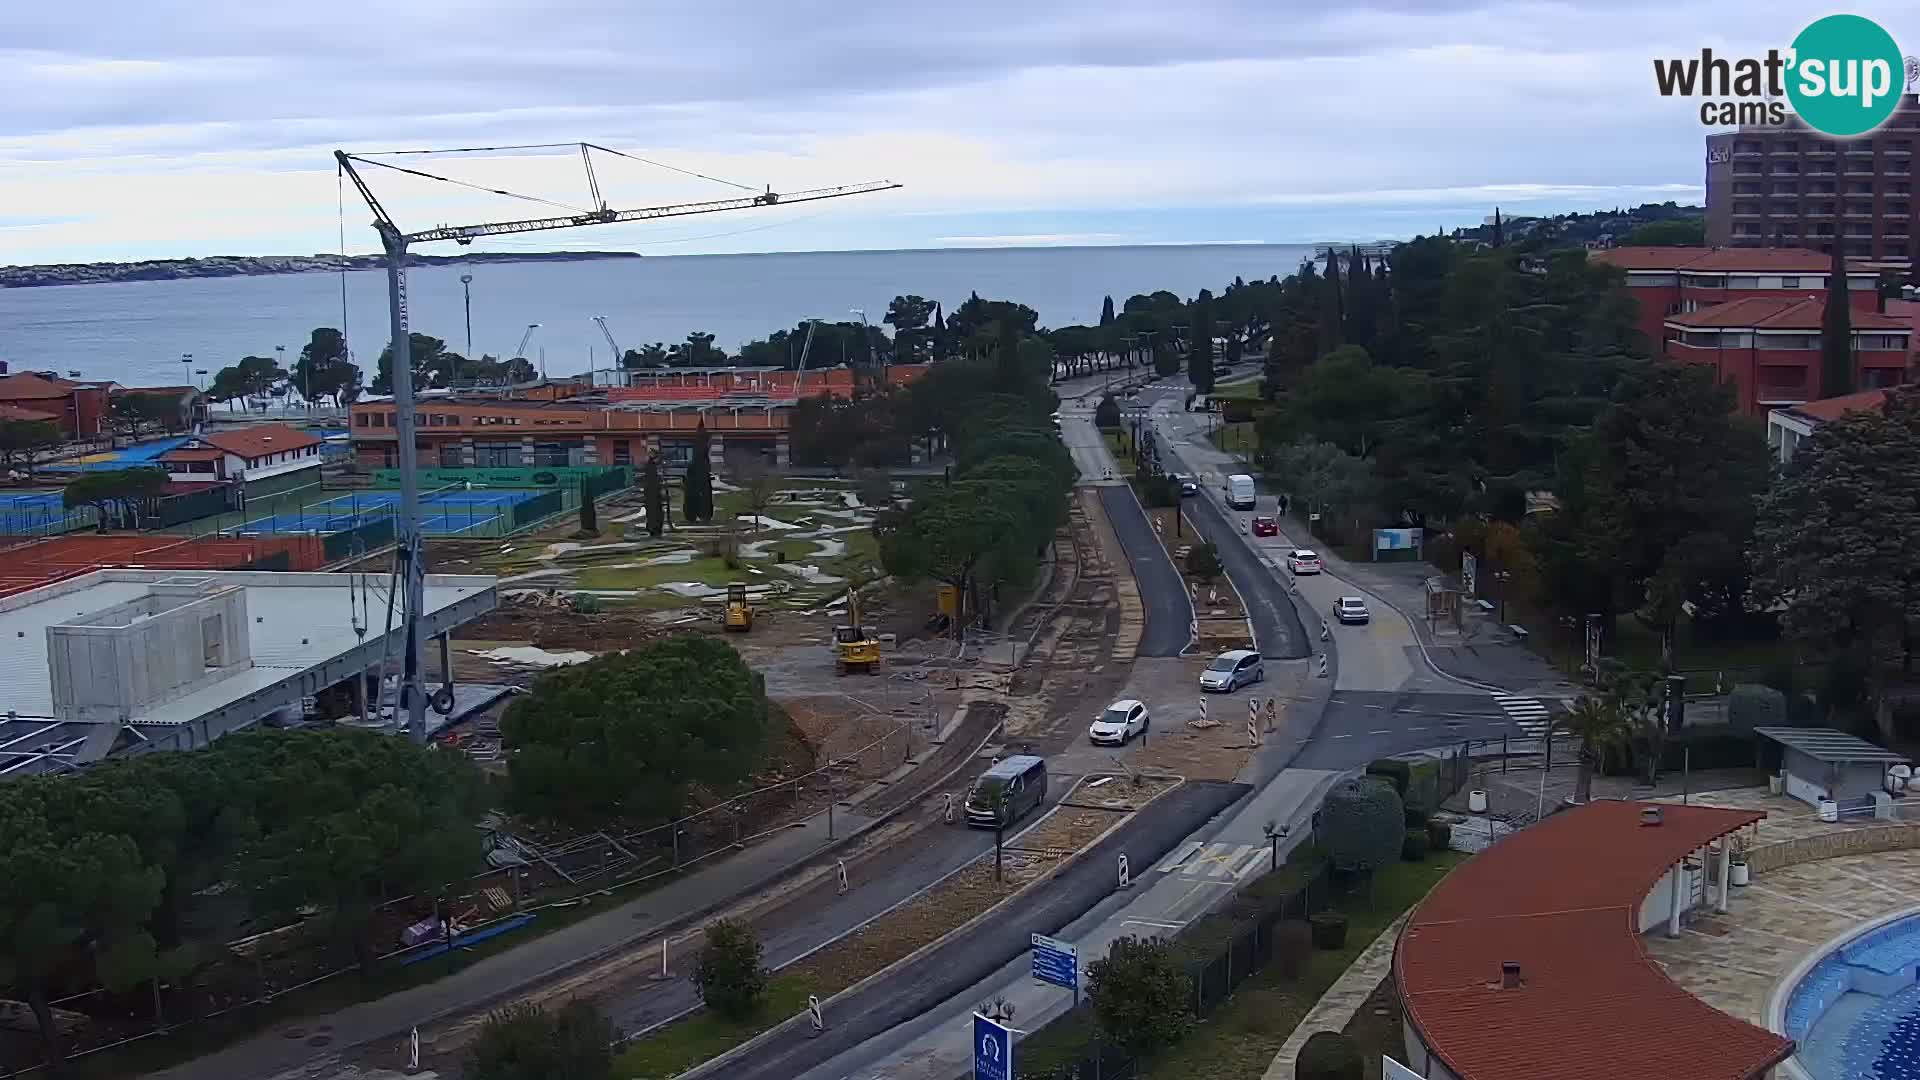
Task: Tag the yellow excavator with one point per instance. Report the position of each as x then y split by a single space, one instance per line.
739 609
854 647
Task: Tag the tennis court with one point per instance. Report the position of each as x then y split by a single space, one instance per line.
458 512
31 513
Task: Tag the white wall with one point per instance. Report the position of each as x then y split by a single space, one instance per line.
118 663
1658 903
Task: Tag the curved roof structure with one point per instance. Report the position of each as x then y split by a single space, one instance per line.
1562 899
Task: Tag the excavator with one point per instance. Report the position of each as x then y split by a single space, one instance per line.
739 609
853 645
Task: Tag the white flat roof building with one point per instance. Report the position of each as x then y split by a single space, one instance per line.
172 659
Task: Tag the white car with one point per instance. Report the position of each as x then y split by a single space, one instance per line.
1122 721
1351 609
1302 561
1232 670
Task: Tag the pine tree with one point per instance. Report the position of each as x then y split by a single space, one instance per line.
1106 312
698 501
655 497
1836 332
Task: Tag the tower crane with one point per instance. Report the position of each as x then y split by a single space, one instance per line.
410 566
601 321
520 353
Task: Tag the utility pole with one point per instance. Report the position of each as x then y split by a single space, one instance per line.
408 551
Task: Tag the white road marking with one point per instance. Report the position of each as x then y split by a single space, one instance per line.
1533 717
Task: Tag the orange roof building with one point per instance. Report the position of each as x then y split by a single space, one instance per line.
1526 962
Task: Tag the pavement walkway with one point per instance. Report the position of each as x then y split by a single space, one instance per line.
1337 1007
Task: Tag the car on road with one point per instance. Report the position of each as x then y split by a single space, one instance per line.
1187 486
1303 561
1351 609
1007 791
1265 526
1232 670
1121 721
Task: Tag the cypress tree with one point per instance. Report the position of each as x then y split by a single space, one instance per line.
1332 311
697 503
1497 237
1200 355
589 514
655 498
1836 332
1106 312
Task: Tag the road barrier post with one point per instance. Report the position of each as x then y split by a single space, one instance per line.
843 876
663 976
1126 876
1272 714
946 807
815 1020
1323 666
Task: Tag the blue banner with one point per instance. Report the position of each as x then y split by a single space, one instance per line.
992 1050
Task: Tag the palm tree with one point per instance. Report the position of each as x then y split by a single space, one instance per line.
1600 725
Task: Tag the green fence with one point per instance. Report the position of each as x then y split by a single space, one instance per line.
531 510
358 540
172 510
558 476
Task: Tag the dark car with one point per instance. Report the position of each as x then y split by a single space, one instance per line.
1187 485
1265 526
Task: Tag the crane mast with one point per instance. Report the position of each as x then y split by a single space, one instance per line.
409 553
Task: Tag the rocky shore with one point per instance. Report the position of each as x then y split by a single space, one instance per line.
25 277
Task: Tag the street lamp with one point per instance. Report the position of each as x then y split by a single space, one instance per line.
280 357
466 295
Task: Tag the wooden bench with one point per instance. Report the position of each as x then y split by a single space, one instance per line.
1519 632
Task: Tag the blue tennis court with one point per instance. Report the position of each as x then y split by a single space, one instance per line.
23 512
442 513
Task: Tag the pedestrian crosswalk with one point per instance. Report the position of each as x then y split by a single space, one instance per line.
1218 862
1533 717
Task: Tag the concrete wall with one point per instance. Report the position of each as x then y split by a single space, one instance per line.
116 664
1655 907
1842 783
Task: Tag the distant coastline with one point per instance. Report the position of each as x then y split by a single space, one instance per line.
51 274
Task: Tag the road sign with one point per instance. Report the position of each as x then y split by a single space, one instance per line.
992 1050
1056 962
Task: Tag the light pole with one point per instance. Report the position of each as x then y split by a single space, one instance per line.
280 357
466 296
866 331
187 359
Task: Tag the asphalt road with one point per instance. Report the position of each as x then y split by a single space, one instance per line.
962 958
1163 595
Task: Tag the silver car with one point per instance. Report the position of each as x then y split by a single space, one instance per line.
1351 609
1232 670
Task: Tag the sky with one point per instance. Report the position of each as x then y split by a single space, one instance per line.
163 129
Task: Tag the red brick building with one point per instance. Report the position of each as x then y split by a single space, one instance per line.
79 409
1768 348
1670 281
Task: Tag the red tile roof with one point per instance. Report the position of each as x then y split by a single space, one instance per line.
1778 313
1562 899
260 440
194 453
1721 260
12 413
26 386
1834 408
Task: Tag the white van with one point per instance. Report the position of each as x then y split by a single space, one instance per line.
1240 491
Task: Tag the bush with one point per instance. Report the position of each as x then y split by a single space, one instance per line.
1142 997
1750 706
1362 822
1329 930
729 975
1203 562
585 603
1398 772
1329 1055
1439 835
524 1042
1292 944
1416 815
1780 675
1414 847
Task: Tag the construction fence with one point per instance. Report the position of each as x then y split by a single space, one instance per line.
28 563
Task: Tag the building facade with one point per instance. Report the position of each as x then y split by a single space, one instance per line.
1788 427
1791 186
1669 281
266 458
1768 348
79 409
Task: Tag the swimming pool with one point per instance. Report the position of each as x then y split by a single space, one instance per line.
1855 1012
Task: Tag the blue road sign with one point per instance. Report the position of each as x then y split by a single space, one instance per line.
992 1050
1056 962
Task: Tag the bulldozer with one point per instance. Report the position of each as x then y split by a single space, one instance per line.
739 608
853 646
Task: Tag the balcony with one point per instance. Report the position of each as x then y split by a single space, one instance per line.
1780 149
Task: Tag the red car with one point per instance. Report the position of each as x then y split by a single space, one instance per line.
1265 526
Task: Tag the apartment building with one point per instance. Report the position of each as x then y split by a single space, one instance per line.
1791 186
1768 348
1669 281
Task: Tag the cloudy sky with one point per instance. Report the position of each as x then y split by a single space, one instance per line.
166 128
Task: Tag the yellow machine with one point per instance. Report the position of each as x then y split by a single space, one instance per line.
739 609
853 646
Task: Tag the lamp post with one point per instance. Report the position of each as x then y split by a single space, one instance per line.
466 296
187 359
280 357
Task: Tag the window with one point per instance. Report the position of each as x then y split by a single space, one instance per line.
1886 342
212 641
550 454
1789 282
493 454
1787 341
450 455
1743 281
622 452
363 420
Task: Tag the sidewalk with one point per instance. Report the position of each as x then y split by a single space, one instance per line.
676 903
1337 1007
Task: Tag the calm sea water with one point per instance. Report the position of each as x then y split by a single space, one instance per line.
136 332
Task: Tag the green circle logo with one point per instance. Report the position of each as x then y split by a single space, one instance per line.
1846 75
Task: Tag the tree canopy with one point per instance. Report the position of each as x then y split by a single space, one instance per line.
627 735
324 369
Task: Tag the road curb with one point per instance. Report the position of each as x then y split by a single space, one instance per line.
794 1022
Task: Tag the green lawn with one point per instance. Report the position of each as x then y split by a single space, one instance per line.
1246 391
707 570
1243 1034
1236 438
704 1035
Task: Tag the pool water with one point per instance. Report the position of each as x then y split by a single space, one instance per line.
1856 1012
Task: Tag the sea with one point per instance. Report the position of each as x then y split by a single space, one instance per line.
172 332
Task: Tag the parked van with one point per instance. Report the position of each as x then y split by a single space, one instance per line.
1240 491
1022 779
